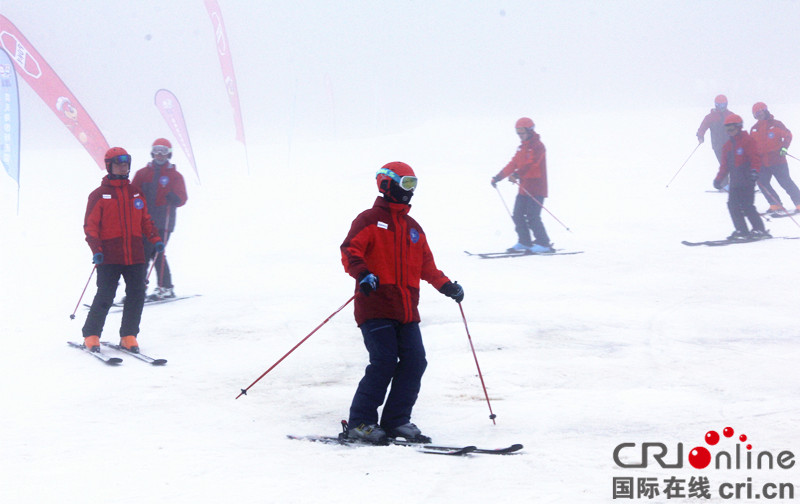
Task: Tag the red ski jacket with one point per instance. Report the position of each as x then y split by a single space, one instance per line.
771 136
739 157
156 182
529 164
388 243
116 220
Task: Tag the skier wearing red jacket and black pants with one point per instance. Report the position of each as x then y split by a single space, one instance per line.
741 161
528 169
164 191
115 222
387 252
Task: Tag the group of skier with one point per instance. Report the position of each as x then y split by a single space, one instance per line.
747 160
386 251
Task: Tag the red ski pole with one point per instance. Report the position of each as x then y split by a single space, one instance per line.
492 416
164 254
72 317
244 390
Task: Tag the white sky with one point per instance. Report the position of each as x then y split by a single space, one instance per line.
361 67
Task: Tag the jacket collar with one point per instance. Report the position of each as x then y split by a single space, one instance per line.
399 208
114 183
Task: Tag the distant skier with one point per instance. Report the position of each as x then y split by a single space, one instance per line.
387 252
740 160
773 140
715 121
528 169
164 191
116 221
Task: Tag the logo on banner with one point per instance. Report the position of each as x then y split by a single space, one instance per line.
21 55
219 31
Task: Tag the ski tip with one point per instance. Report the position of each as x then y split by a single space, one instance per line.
113 361
159 362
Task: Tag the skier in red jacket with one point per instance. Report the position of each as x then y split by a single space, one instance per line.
528 169
773 139
387 252
116 221
164 190
714 121
740 160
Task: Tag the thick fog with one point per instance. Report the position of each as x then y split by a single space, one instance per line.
327 70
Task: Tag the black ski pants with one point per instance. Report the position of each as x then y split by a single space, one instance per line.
528 217
396 357
108 276
781 174
741 204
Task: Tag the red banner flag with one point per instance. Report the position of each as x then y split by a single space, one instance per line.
170 108
227 64
38 74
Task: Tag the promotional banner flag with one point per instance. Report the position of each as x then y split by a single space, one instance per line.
227 64
170 108
38 74
9 117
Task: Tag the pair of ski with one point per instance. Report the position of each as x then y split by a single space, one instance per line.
723 243
113 361
116 307
430 449
501 255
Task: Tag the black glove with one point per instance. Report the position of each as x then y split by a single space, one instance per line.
173 199
495 180
98 258
717 184
753 175
453 290
368 283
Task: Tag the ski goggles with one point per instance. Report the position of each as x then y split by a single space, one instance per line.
121 159
161 149
406 182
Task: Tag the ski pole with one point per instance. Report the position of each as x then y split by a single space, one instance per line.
492 416
164 254
789 155
504 202
543 207
684 164
244 390
72 317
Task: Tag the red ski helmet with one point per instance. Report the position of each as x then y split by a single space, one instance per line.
721 100
524 122
162 144
398 178
116 155
759 107
733 119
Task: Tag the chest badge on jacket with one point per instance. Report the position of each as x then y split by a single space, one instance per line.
138 204
414 235
163 180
